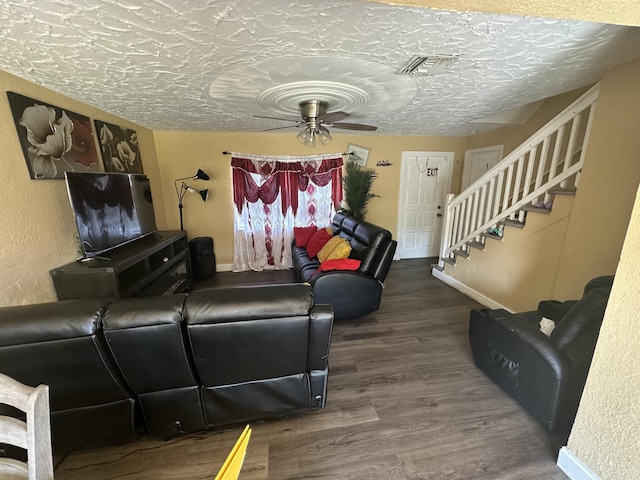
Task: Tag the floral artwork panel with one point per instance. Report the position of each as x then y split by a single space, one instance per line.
119 148
54 140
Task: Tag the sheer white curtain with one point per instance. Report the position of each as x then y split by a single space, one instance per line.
274 194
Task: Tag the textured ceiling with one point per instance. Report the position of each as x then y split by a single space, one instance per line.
212 65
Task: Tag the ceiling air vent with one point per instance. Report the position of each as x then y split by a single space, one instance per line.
426 64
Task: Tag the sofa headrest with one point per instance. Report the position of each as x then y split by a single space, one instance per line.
42 322
368 245
603 281
348 226
144 311
218 305
336 222
580 326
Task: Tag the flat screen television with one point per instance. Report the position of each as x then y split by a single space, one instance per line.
110 209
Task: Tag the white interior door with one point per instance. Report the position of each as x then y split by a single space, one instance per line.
478 161
424 183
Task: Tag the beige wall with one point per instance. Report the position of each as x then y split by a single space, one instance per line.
180 154
605 434
623 12
521 269
513 136
556 255
608 185
518 271
38 231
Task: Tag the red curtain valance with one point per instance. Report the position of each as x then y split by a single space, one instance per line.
284 177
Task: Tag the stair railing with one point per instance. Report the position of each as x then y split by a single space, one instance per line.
548 159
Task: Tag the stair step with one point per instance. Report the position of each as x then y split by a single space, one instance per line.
531 208
435 266
449 260
511 223
563 191
491 235
462 253
478 245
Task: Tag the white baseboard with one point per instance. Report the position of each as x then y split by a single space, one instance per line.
224 267
573 467
468 291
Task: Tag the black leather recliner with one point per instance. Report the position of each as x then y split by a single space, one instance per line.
546 375
170 364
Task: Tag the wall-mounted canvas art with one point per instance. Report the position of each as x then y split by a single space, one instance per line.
54 140
119 148
358 154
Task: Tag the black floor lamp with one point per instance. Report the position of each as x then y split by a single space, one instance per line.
184 188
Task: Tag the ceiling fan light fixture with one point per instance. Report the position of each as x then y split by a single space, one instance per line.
324 135
307 137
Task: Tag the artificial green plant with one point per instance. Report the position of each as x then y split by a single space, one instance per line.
357 182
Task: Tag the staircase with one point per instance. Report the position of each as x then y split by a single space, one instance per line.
524 183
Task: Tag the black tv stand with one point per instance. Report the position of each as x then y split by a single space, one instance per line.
93 261
157 264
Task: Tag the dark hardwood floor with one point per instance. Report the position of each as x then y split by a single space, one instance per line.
405 401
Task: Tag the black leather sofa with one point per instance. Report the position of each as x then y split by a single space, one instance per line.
168 365
545 374
351 293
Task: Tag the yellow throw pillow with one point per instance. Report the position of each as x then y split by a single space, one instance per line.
342 250
328 247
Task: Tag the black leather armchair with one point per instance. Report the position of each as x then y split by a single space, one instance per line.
545 374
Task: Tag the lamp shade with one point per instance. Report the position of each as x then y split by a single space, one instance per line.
204 194
201 175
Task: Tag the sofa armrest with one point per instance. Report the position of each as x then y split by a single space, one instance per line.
350 293
524 320
555 309
320 327
525 364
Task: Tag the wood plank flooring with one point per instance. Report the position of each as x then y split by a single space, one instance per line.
404 402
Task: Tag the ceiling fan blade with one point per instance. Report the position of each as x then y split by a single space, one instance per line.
334 117
356 126
276 118
279 128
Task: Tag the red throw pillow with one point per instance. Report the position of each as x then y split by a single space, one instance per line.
317 242
340 264
303 235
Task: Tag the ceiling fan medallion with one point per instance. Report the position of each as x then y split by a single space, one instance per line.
285 99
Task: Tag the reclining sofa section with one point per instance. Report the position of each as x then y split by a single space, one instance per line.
168 365
350 293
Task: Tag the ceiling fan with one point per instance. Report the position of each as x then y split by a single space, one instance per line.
315 121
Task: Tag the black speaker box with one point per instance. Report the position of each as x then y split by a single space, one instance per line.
203 259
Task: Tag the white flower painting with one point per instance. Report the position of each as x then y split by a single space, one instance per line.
119 148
